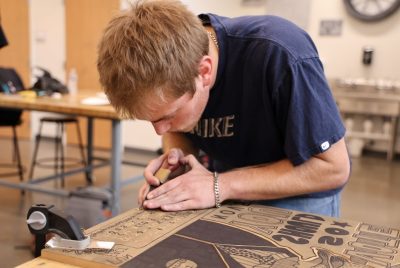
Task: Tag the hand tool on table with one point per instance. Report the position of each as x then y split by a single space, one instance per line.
45 219
163 173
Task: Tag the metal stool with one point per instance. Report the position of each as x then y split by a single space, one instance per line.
58 162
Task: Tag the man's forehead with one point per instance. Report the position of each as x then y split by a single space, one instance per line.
155 108
148 110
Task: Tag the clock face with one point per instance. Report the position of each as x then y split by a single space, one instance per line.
371 10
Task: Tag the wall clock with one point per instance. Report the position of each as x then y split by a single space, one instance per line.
371 10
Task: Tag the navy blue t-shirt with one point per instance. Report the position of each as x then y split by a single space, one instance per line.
271 100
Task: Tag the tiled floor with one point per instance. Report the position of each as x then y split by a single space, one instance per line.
372 195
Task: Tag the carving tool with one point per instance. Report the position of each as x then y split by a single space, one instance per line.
162 175
164 172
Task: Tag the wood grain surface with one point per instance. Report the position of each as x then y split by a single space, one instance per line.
65 105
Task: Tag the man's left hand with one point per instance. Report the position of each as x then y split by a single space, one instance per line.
192 190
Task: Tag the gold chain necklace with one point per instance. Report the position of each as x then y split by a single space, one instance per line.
212 36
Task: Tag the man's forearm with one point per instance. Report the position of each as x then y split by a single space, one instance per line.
282 179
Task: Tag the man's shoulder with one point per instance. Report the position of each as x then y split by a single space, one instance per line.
256 26
274 30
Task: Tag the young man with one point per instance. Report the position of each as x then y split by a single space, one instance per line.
250 92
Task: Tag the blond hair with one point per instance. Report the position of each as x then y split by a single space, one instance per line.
153 48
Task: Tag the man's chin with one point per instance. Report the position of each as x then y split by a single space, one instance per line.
181 131
185 129
190 128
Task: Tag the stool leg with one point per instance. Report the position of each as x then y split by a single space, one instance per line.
35 152
57 154
62 154
89 179
17 156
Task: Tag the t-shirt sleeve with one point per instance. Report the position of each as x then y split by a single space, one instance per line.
306 111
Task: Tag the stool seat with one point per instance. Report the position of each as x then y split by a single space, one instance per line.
59 119
10 123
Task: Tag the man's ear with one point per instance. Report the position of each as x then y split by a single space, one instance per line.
205 70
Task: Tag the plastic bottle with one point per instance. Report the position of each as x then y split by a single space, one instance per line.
72 83
367 126
349 123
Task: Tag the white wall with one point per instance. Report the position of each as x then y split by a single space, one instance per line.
293 10
140 134
47 27
342 54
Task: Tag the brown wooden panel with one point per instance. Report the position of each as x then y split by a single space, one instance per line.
235 236
85 21
15 23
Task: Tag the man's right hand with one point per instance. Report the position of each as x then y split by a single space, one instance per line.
170 160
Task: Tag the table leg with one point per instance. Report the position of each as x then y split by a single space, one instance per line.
393 138
89 149
116 158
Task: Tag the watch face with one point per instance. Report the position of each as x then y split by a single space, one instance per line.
371 10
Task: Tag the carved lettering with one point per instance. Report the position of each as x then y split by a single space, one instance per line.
329 240
299 217
271 212
293 240
374 245
336 231
302 226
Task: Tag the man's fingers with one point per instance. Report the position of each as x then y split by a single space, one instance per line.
150 178
190 160
143 191
173 157
163 189
184 205
168 193
173 160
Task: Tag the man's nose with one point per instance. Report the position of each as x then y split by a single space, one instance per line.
161 127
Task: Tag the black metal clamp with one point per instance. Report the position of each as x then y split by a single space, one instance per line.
43 219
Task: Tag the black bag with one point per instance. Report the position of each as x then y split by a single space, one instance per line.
10 83
48 85
3 39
